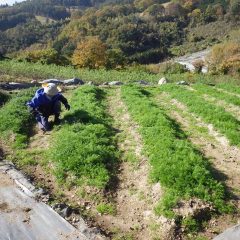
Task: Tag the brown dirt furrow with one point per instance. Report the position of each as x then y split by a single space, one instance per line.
135 197
39 140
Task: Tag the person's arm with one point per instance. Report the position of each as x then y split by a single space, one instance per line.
64 101
33 105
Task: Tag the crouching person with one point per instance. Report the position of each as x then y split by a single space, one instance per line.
47 101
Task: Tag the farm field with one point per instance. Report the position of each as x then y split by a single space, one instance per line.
139 162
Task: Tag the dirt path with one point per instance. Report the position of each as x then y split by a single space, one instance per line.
135 197
225 158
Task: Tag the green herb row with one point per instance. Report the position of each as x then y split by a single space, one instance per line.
223 121
83 148
15 120
179 167
204 89
232 88
4 97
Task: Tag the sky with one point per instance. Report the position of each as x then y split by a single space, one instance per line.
9 2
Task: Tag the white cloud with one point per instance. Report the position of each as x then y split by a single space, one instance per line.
9 2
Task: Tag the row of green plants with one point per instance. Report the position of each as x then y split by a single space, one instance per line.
4 97
223 121
232 88
15 120
203 78
204 89
43 71
181 170
83 149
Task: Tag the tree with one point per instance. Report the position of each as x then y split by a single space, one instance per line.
90 53
225 58
45 56
235 7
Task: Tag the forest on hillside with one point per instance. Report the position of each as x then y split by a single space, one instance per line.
113 34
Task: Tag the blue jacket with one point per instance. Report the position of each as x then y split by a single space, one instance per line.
42 103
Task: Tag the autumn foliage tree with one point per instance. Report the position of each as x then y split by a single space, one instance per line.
225 58
90 53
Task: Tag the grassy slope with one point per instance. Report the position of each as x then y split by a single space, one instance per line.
229 87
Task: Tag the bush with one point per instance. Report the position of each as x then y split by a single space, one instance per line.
198 64
225 58
90 53
172 68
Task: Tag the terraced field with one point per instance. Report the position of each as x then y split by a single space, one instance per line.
140 162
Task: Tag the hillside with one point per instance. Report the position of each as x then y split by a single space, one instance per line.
137 31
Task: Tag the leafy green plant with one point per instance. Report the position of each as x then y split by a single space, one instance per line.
106 208
180 168
190 224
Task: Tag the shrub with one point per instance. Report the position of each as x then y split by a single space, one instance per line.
224 58
172 68
44 56
198 64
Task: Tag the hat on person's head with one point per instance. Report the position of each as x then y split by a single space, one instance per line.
50 89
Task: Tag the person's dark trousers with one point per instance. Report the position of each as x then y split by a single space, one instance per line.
42 117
